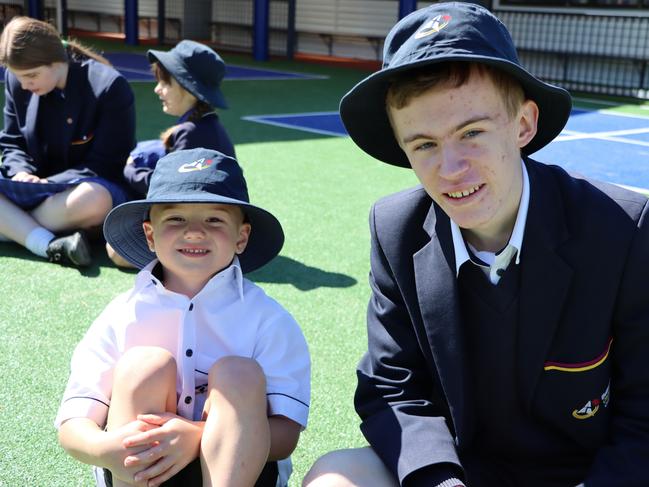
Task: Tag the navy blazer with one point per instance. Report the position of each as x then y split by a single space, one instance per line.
584 281
99 133
206 132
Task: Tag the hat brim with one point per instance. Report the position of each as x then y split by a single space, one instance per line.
123 230
364 114
210 95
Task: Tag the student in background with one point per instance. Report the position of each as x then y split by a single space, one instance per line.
69 123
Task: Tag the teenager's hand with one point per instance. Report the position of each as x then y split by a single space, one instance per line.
25 177
176 443
114 451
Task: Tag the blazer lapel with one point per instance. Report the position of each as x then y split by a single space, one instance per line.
437 294
545 280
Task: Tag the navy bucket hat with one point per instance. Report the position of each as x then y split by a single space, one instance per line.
443 32
197 68
194 176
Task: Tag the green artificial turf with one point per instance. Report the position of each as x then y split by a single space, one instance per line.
320 188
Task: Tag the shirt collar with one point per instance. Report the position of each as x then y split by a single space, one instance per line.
231 274
516 239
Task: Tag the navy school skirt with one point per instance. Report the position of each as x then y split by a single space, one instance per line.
29 195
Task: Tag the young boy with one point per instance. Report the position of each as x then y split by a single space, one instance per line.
194 374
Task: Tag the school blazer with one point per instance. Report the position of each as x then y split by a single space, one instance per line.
584 282
99 127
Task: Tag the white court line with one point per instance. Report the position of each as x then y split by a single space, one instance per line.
606 103
612 136
267 119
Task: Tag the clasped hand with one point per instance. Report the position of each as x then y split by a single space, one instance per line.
26 177
158 446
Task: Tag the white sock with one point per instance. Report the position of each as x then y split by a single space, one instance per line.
38 240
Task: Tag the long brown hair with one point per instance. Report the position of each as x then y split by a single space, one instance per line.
28 43
199 109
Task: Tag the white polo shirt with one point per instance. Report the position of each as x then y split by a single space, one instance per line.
229 316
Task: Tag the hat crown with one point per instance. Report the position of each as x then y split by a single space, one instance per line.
448 29
205 65
197 172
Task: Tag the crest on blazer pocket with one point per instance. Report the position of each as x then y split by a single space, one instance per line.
591 408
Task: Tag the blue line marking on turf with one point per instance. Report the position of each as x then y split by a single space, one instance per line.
597 144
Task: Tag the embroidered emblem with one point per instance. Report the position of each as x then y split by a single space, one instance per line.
198 165
433 26
591 407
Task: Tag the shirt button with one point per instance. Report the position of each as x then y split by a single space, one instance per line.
69 120
188 399
500 272
189 352
191 306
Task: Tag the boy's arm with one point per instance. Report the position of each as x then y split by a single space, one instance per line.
284 434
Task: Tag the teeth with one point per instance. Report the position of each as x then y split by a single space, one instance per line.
194 251
462 194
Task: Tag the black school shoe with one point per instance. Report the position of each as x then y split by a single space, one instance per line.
73 250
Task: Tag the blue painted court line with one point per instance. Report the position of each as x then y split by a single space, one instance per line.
598 144
135 67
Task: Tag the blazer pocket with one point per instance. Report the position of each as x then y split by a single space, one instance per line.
575 397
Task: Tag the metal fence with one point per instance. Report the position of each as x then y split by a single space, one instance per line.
590 53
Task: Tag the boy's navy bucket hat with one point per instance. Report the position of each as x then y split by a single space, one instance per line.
442 32
194 176
197 68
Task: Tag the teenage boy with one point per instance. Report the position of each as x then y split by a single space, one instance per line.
195 374
508 325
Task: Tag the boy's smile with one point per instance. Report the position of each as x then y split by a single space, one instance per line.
195 241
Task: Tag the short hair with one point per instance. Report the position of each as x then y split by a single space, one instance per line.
412 83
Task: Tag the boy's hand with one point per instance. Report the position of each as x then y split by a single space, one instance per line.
115 452
176 443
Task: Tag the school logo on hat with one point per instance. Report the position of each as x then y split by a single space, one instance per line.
198 165
433 26
591 407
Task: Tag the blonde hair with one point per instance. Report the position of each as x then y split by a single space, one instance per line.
413 83
28 43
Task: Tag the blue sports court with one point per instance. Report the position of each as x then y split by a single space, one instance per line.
598 144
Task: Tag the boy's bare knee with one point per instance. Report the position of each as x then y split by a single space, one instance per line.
237 375
140 365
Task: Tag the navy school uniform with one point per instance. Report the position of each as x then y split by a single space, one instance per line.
206 132
541 383
84 132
